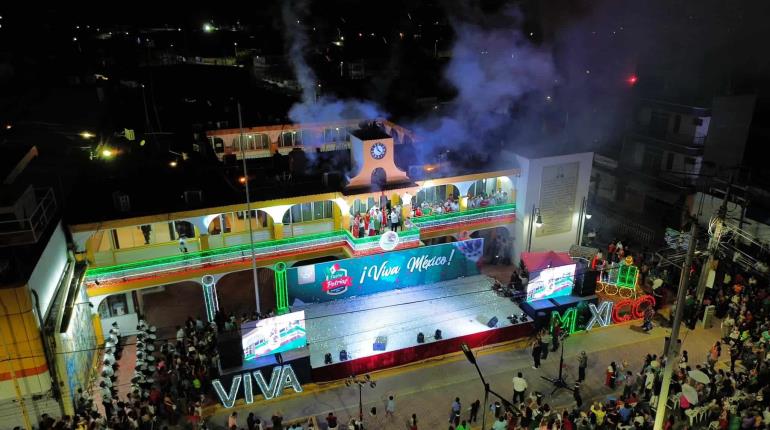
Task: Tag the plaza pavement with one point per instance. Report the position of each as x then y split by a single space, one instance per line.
428 388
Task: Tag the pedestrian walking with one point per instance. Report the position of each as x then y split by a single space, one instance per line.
612 373
628 384
454 414
537 348
232 421
555 334
475 406
576 395
582 365
545 340
519 387
413 422
331 421
390 407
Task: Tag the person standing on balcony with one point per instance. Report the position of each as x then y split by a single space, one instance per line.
146 229
182 244
375 224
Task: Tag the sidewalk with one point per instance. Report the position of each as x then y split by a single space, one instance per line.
428 389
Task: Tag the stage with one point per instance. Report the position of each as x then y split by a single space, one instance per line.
460 308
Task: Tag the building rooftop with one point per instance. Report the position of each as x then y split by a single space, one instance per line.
370 133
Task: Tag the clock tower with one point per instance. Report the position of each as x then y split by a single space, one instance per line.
372 153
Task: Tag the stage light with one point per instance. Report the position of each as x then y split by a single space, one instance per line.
328 358
437 335
538 219
420 338
588 216
632 80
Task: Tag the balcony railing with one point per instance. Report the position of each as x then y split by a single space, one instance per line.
29 230
166 265
470 215
265 250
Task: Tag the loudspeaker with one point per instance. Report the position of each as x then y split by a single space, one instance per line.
343 355
328 358
230 349
492 323
420 338
585 283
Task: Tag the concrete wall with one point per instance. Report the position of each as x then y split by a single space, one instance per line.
531 192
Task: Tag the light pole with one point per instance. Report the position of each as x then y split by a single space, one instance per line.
360 381
660 414
471 358
584 216
248 210
535 221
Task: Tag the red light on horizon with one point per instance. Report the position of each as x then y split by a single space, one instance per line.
632 80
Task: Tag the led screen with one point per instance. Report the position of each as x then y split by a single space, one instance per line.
552 282
274 335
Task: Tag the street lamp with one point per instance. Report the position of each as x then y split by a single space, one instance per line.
582 218
472 359
360 381
535 221
86 134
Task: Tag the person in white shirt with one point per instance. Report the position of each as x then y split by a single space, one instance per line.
500 424
519 387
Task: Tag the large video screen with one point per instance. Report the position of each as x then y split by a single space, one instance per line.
274 335
552 282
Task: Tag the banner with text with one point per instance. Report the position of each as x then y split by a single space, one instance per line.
383 272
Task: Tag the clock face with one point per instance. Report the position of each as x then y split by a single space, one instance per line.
378 151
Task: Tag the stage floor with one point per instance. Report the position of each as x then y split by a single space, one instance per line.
458 308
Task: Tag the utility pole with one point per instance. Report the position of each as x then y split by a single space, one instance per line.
248 210
715 229
672 352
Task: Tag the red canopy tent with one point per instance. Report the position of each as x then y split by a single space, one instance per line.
537 261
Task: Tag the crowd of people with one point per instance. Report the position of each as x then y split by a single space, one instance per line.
169 384
728 387
377 220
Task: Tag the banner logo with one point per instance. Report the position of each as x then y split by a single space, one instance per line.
337 281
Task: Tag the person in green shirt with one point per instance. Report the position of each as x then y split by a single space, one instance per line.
463 426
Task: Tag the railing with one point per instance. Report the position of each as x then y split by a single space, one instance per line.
362 245
478 214
230 254
28 230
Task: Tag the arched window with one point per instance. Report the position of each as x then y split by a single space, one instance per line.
306 212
